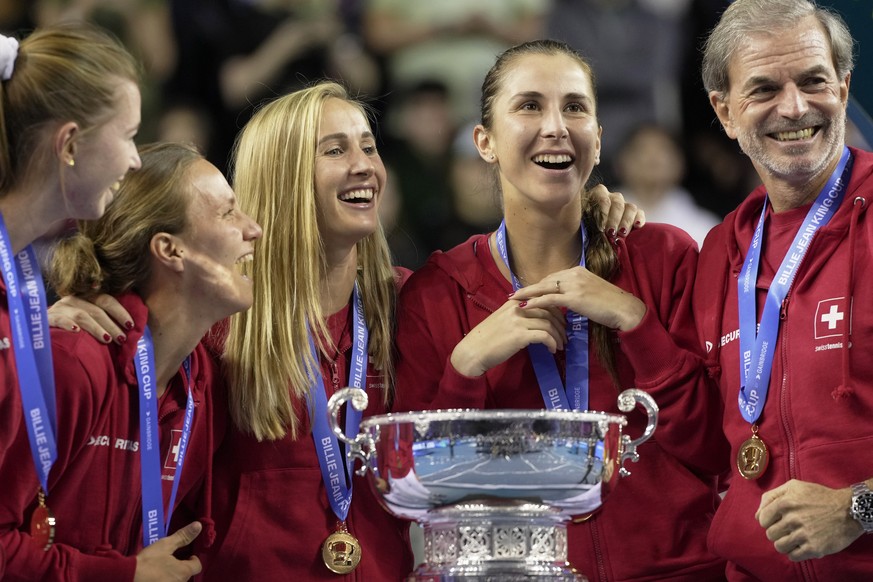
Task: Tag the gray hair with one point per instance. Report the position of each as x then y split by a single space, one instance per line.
746 17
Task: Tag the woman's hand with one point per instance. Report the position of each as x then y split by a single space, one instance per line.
616 216
583 292
505 332
104 318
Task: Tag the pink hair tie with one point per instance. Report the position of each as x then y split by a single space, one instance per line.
8 54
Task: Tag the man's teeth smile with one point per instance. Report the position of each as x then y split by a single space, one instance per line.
553 161
794 135
362 195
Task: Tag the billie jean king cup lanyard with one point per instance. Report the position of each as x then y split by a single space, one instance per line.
555 396
154 523
33 359
341 552
757 349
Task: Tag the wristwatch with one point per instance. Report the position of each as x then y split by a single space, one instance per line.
862 506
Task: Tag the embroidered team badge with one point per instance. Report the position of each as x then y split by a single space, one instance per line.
832 318
173 452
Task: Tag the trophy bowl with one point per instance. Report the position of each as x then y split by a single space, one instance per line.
493 489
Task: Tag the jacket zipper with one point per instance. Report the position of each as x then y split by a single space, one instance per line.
136 533
783 399
805 568
168 413
598 552
334 380
479 304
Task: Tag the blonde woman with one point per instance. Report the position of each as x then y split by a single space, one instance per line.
307 166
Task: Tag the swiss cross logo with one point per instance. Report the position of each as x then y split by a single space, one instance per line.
832 318
173 453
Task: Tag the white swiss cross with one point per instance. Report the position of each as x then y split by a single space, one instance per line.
832 317
172 458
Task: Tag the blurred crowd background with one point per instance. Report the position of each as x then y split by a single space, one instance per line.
420 64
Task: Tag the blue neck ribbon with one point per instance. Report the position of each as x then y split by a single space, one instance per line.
155 522
33 355
757 346
330 457
555 395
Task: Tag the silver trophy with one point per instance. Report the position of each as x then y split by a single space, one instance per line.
493 489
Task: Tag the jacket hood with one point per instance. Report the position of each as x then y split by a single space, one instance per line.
125 352
455 263
139 312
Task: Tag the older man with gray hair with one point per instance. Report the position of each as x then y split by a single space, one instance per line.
781 300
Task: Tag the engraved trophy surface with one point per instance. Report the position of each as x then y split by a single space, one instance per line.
493 489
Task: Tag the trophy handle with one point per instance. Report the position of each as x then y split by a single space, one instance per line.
357 398
627 401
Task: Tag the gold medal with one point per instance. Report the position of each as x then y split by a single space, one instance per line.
341 551
752 458
42 524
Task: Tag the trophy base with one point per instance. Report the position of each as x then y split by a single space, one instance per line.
495 540
496 573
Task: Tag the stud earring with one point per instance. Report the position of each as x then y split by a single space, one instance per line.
71 162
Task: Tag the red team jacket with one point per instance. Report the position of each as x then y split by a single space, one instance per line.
653 526
94 486
11 414
818 417
10 400
271 508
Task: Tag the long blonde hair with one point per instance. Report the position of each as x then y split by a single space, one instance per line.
267 354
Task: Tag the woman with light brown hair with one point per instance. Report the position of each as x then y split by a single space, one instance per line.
132 416
548 312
